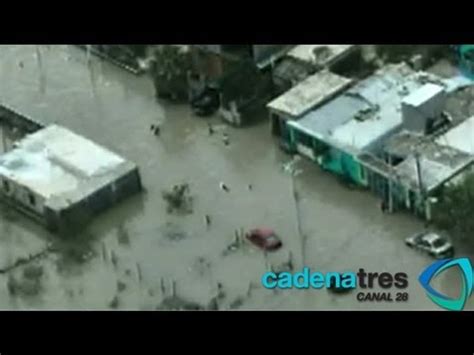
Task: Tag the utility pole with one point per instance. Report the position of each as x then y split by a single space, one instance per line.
298 216
390 185
420 180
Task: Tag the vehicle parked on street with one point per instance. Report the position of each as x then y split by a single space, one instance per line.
429 242
206 102
265 239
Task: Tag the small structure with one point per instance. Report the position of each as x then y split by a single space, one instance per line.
62 179
309 94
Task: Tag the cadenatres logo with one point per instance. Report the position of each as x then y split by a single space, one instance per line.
437 268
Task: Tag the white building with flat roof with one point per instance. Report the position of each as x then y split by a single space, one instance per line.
63 179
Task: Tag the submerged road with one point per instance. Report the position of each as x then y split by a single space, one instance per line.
138 254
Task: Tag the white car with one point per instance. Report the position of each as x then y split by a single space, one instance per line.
435 245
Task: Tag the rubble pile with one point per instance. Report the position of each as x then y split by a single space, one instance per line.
178 199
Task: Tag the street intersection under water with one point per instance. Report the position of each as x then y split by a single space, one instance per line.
137 254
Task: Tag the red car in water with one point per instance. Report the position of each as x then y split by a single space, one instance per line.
264 238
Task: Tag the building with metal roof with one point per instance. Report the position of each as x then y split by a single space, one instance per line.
364 114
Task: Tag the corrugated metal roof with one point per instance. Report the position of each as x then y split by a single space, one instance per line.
336 121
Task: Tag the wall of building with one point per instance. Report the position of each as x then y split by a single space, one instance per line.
345 165
11 118
331 159
71 219
25 198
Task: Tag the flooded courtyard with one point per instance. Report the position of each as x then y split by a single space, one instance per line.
137 255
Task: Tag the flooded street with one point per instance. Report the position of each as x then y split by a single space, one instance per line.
138 254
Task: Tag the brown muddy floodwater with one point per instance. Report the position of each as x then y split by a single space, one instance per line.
136 254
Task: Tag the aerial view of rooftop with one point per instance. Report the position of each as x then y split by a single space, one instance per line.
236 177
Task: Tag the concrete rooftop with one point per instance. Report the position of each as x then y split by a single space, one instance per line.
460 137
337 123
438 164
55 162
308 94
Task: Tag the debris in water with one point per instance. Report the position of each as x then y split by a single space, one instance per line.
104 252
121 286
210 129
207 218
178 199
237 303
33 272
213 305
139 273
114 259
290 166
234 246
155 129
162 286
179 304
202 266
224 187
122 235
174 233
220 291
114 304
225 139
